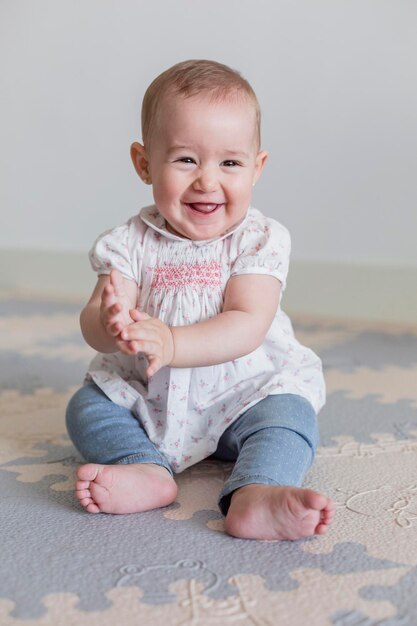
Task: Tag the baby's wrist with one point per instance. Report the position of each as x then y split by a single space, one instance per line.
172 346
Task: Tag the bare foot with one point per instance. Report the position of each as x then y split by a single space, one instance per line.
268 512
124 488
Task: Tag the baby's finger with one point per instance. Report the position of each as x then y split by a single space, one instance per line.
143 342
107 296
154 365
109 320
115 328
128 347
137 332
134 347
139 316
149 345
145 339
115 308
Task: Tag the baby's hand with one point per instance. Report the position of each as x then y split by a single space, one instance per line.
115 305
150 336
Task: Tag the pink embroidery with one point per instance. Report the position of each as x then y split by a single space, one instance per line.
206 274
256 249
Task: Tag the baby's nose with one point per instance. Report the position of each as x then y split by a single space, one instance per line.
206 180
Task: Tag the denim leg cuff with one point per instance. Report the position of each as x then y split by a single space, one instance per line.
144 458
231 486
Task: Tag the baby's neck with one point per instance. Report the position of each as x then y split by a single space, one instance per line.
173 231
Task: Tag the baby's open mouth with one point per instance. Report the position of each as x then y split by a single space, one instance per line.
203 207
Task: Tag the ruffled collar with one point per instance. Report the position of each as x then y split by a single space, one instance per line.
152 217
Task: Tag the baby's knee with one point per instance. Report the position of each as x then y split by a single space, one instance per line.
80 408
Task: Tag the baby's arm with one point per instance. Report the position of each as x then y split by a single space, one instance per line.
251 302
107 312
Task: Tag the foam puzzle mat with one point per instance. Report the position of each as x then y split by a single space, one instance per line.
62 566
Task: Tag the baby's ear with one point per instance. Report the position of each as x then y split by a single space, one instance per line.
261 158
140 162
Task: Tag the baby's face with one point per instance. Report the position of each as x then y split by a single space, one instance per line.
203 161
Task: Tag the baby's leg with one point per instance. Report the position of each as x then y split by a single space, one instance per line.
275 442
127 474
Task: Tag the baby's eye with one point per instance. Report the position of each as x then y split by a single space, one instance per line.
230 163
186 160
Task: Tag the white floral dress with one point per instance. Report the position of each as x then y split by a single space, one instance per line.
185 410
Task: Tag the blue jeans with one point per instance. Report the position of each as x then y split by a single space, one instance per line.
272 443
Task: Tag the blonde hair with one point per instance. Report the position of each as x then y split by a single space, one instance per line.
192 78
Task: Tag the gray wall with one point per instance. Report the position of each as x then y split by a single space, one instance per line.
337 85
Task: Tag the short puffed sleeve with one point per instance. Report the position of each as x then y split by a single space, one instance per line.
263 246
118 248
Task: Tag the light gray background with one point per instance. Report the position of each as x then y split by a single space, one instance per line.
337 82
337 85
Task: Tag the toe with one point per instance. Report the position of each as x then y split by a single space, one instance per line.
328 513
321 529
88 472
92 508
313 500
87 500
327 519
82 493
82 484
